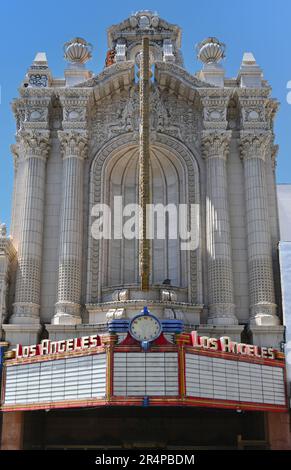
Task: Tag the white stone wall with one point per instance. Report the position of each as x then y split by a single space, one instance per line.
51 237
238 231
200 156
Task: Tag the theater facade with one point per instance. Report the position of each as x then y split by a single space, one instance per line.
169 341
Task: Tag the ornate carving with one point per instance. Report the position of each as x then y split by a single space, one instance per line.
274 154
215 105
35 142
129 33
257 109
254 145
222 314
75 109
215 144
168 295
66 311
272 107
115 313
120 295
38 114
73 143
264 313
38 80
169 115
31 112
26 310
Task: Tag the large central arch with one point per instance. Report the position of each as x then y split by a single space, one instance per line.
174 179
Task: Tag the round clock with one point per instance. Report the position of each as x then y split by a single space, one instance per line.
145 328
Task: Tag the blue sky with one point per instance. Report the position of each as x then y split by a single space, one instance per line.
26 27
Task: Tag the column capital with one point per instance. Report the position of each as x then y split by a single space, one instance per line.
254 145
74 143
35 143
215 144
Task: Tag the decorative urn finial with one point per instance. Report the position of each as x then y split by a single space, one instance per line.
210 51
77 51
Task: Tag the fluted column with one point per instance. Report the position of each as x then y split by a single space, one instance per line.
261 280
74 150
35 147
218 240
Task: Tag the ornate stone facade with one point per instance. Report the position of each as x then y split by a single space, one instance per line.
77 145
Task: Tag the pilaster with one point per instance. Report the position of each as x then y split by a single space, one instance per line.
74 150
215 145
35 148
254 147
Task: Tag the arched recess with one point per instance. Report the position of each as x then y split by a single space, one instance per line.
174 179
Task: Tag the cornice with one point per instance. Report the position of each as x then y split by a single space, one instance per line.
36 92
263 92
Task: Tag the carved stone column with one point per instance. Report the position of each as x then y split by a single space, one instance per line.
74 150
218 240
261 280
35 145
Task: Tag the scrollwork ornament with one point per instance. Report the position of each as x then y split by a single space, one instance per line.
254 145
38 80
35 142
73 143
215 144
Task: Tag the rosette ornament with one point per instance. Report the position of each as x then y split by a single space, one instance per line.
210 51
78 51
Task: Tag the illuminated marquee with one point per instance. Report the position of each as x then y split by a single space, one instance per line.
225 344
107 370
47 347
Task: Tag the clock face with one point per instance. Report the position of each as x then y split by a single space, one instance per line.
145 328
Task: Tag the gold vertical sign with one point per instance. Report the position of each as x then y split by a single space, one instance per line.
144 165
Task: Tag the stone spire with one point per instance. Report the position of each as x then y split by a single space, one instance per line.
250 74
38 74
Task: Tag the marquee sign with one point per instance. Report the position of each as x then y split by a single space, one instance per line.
115 371
47 347
225 344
